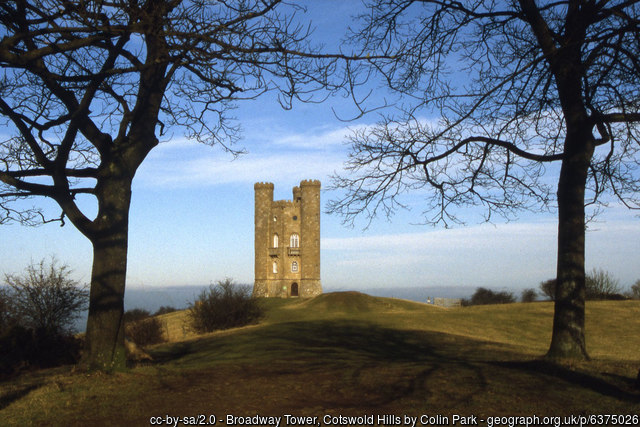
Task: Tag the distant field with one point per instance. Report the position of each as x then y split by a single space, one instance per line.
352 354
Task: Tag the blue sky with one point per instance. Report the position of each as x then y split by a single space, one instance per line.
192 223
191 220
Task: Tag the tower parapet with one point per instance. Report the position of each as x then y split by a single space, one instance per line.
259 185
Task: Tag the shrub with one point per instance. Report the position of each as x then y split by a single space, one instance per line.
484 296
141 328
44 298
601 284
145 332
529 295
164 310
37 310
17 349
7 317
635 294
24 348
222 306
548 288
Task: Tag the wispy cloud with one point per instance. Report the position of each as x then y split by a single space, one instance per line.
219 169
490 255
316 139
509 251
463 237
279 157
506 255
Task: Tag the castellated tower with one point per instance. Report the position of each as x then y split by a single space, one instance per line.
287 242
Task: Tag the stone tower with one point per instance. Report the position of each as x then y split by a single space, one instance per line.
287 242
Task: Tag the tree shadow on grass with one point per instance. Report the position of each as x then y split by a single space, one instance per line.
326 342
353 363
618 387
357 365
8 398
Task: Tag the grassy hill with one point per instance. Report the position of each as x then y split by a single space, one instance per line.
352 354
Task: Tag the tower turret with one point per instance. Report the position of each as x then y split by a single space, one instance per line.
263 202
310 237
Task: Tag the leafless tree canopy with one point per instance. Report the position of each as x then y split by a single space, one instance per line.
496 91
489 88
80 78
88 87
45 298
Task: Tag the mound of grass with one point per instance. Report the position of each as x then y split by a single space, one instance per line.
345 303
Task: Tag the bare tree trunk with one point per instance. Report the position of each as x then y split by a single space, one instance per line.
105 329
568 339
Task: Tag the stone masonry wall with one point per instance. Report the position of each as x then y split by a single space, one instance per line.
286 267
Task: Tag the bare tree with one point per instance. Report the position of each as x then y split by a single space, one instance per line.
7 316
45 297
516 86
635 290
548 288
528 295
601 284
86 89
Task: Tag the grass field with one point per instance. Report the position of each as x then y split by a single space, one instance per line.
353 354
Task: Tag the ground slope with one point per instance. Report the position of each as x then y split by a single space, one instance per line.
350 353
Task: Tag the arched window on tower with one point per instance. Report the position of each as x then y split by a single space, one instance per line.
294 241
275 240
294 267
275 267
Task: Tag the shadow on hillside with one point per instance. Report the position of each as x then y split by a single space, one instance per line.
354 352
355 364
619 387
10 397
330 341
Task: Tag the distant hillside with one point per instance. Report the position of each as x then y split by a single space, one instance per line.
419 294
152 298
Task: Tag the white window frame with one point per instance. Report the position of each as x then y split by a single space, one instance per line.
294 240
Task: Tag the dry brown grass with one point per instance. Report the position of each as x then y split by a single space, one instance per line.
353 354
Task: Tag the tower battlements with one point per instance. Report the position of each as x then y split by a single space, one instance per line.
287 242
259 185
